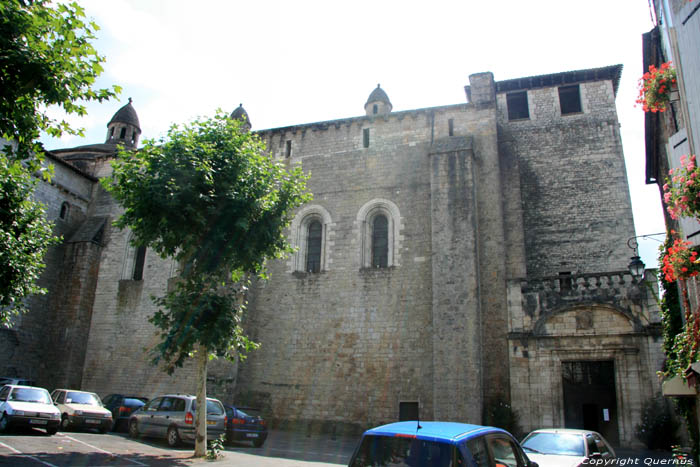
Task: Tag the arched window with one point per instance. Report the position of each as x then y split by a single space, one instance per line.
380 242
134 261
312 233
379 227
313 246
139 262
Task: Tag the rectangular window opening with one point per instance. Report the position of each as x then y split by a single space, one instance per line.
451 127
570 99
566 282
517 105
288 152
365 137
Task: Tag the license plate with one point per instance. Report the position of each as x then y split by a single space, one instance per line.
211 422
38 422
251 435
93 421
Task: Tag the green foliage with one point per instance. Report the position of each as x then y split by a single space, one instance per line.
686 408
25 236
209 197
676 344
215 448
658 427
47 59
500 414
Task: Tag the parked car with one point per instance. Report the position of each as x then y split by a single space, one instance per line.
245 424
439 444
17 381
80 409
563 447
172 417
121 407
27 406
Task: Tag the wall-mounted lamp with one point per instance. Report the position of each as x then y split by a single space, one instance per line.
636 266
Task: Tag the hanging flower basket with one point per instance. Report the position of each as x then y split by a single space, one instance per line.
682 189
655 88
680 261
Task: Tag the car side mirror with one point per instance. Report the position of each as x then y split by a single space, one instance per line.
595 455
533 464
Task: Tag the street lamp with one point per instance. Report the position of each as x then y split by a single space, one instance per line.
636 266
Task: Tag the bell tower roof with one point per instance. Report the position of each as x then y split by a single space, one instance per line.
378 102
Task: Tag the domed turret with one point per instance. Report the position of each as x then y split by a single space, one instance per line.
242 115
124 127
378 103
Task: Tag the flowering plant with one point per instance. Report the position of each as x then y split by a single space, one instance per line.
655 86
682 190
680 262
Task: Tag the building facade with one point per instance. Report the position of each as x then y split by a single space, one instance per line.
452 258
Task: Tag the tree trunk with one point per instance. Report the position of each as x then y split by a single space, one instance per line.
200 424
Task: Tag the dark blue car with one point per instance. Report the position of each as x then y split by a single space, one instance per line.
438 444
245 424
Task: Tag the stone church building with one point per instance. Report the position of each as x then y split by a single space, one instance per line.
452 257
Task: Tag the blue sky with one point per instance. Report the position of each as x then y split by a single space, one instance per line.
308 61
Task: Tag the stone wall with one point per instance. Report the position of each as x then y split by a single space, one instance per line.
576 204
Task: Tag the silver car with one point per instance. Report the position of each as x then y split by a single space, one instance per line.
172 417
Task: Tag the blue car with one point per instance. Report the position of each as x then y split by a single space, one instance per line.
438 444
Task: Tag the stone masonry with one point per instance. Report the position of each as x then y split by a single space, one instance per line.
506 231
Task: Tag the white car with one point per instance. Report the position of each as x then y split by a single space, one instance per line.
80 409
566 447
27 406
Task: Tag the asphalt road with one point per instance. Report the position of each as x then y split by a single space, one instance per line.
34 448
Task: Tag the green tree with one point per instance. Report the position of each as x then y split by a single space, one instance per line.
46 59
25 235
208 196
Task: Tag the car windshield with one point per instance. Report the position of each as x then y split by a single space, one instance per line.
563 444
213 407
82 398
400 451
30 395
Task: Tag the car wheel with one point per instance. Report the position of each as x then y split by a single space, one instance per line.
133 429
51 431
173 437
258 443
3 423
65 424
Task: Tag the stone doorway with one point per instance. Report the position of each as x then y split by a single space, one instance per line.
590 399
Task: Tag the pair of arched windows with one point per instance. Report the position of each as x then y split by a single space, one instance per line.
376 228
379 248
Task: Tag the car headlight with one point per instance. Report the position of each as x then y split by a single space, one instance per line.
54 416
19 412
78 412
107 415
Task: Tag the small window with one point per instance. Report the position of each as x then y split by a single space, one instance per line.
64 210
570 99
565 281
451 127
288 151
408 411
517 105
365 137
313 247
477 448
139 262
111 133
375 109
122 133
380 242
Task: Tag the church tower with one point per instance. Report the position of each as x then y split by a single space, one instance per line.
124 127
